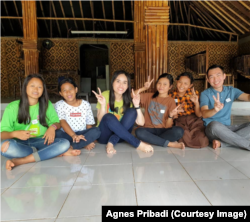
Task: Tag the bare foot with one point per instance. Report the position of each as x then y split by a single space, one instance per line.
71 152
216 144
145 147
110 148
9 165
180 145
90 146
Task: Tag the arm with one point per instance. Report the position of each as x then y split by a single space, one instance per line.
101 112
207 113
195 99
146 87
102 101
172 114
66 127
197 109
140 120
89 126
169 122
244 97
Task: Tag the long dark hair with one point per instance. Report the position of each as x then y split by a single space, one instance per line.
23 111
67 80
126 96
164 75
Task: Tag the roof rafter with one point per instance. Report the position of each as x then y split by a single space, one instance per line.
41 5
92 14
182 17
104 15
232 18
5 6
244 4
239 16
73 13
113 12
54 10
83 23
221 14
20 22
124 14
66 24
240 7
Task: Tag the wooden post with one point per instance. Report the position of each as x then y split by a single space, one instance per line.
150 36
31 54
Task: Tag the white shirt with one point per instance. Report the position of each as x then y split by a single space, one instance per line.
76 117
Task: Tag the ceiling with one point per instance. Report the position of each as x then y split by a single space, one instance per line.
228 16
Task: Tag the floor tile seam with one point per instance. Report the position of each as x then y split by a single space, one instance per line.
107 184
136 199
20 187
194 182
108 164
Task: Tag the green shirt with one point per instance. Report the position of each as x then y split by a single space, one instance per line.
10 122
118 105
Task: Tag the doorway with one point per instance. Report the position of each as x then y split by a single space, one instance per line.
94 69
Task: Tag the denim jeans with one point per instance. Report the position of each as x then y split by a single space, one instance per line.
22 148
234 135
114 131
90 135
159 136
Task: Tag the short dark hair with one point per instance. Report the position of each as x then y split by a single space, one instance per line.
164 75
67 80
214 67
188 74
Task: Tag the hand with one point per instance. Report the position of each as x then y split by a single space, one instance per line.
136 99
175 111
180 108
100 98
77 138
24 134
49 135
217 104
194 98
148 83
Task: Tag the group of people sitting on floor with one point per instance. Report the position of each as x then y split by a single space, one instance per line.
32 129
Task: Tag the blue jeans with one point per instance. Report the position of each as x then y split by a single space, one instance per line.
159 136
90 135
22 148
114 131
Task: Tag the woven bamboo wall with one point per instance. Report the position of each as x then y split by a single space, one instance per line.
219 53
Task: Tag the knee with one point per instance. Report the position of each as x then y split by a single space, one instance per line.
64 145
139 132
131 112
6 144
213 126
108 117
179 131
96 131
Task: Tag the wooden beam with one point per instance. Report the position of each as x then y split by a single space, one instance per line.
132 9
209 18
2 27
201 27
124 14
104 15
73 13
113 12
240 7
92 14
207 31
189 29
170 12
5 6
216 10
202 3
20 22
201 16
244 4
54 10
194 25
41 5
66 24
83 23
68 18
182 17
230 16
233 11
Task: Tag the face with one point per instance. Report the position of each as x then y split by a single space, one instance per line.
68 92
120 85
34 88
163 86
216 78
183 84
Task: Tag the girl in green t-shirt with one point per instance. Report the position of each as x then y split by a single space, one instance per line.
115 116
28 127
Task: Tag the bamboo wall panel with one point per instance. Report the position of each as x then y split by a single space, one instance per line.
62 56
122 58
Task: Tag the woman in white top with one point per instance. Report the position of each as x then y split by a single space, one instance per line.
76 117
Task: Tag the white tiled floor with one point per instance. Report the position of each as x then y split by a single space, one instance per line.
74 188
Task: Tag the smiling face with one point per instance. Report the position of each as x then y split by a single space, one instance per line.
120 84
163 86
183 84
34 89
216 78
68 92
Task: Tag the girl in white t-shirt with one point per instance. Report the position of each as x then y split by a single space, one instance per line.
76 117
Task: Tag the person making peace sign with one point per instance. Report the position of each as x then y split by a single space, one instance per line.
160 109
116 115
190 119
216 103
